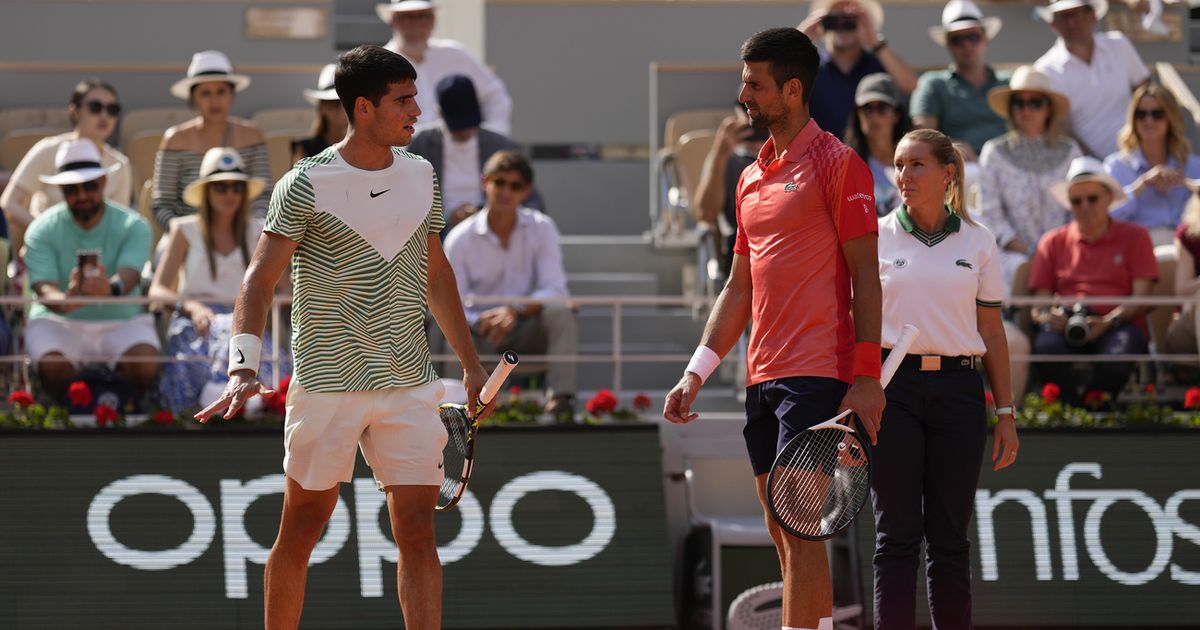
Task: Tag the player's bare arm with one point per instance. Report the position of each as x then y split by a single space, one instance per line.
725 324
865 395
451 318
270 260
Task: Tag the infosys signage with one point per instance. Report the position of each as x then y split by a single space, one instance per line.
558 526
1098 528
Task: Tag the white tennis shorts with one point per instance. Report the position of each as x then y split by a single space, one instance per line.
398 431
85 341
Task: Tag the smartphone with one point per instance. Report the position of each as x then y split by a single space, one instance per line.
88 260
839 22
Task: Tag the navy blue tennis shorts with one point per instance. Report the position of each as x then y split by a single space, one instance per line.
778 410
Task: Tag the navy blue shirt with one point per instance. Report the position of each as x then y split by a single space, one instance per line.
832 99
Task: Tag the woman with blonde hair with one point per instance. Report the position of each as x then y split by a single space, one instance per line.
209 88
200 274
934 430
1153 167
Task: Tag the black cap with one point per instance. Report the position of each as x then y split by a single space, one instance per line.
458 102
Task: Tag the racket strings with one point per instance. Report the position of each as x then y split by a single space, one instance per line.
820 482
458 438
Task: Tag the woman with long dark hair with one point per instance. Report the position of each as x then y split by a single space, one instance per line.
878 123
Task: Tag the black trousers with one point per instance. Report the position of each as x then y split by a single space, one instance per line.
924 473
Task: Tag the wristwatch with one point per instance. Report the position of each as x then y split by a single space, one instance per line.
1007 409
879 46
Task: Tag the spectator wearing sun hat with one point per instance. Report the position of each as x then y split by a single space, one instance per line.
330 124
1093 255
209 88
1100 69
87 246
412 23
853 47
954 101
458 147
200 274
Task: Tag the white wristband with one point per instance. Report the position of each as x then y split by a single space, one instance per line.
703 362
244 352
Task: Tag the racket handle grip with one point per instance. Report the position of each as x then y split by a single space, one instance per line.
507 362
908 335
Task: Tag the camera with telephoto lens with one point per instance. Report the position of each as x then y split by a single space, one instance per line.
1077 330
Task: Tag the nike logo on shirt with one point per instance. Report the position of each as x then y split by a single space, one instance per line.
376 194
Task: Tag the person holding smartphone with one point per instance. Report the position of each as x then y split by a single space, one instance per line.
735 147
854 47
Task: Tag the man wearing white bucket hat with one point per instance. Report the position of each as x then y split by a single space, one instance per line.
1093 255
1099 71
358 223
954 101
853 48
87 246
412 23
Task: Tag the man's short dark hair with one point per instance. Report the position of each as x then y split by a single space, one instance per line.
791 55
367 71
509 162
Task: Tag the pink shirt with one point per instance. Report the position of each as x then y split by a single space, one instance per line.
793 215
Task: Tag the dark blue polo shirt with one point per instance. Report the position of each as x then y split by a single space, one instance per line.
832 99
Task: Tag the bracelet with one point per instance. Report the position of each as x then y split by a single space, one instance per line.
704 362
244 352
867 359
880 46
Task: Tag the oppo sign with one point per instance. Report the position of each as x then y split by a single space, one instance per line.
374 547
1164 518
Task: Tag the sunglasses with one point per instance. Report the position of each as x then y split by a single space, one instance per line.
511 184
95 107
1036 102
225 187
1090 199
876 108
965 38
1143 114
72 189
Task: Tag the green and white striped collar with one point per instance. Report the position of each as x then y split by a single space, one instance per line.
952 225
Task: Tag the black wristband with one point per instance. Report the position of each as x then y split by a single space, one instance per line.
116 288
880 46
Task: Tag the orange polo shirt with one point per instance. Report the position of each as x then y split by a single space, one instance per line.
793 214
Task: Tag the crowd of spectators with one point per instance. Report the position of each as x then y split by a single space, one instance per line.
1081 164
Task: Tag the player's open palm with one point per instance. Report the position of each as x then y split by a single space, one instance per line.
678 406
242 386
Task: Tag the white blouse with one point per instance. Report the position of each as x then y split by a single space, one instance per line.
196 281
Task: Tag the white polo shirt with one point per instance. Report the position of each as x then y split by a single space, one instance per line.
936 282
1099 91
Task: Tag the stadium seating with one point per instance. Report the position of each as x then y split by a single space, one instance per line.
151 120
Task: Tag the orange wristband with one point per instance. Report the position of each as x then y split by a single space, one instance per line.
867 359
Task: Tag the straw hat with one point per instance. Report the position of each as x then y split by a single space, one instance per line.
871 7
385 11
207 66
221 164
960 15
76 162
1100 7
1028 79
325 90
1087 169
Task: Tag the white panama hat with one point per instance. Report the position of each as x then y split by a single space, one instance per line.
1100 7
1087 169
960 15
207 66
221 164
385 11
76 162
325 90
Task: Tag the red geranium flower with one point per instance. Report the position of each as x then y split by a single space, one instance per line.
163 417
21 398
642 402
79 394
105 415
515 390
1150 388
1050 392
277 402
603 402
989 399
1191 398
1095 398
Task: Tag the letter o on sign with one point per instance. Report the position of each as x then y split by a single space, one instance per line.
203 530
604 524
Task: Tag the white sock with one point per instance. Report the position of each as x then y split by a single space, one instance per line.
826 623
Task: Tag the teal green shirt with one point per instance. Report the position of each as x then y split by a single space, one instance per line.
122 237
961 109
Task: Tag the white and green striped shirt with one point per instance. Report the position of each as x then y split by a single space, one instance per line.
359 271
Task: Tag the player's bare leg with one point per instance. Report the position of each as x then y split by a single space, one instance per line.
807 589
419 572
305 513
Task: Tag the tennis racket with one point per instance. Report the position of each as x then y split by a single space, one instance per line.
821 478
459 455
